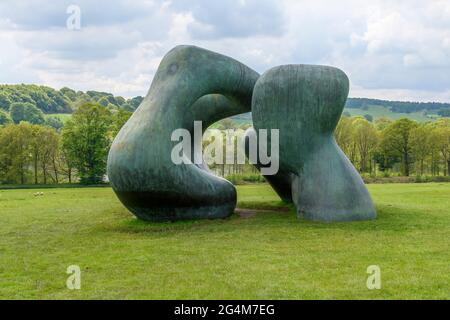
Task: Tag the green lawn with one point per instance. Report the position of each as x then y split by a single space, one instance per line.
270 255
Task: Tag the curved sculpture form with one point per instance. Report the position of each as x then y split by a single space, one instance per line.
191 84
305 103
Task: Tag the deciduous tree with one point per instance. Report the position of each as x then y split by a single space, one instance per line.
396 138
86 141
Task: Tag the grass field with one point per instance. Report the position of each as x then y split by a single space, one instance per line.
379 111
271 255
62 116
375 111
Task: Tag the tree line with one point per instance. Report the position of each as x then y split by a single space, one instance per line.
403 146
400 106
38 153
66 100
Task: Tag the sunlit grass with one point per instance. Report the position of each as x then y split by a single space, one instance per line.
269 255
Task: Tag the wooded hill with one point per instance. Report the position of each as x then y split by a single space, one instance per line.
398 106
66 100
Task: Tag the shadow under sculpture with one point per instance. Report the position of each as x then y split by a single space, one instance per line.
191 84
305 103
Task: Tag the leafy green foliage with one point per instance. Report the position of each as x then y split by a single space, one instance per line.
135 102
396 140
4 118
444 113
5 101
26 146
34 153
25 111
86 141
368 117
47 99
54 122
66 100
119 119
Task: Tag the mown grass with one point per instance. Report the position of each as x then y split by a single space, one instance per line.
269 256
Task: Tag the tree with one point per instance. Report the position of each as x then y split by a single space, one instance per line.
444 112
49 153
5 101
226 123
69 93
366 139
103 101
382 123
65 164
25 111
4 118
120 101
368 117
119 119
44 150
135 102
442 142
396 139
86 141
344 135
54 122
15 152
420 144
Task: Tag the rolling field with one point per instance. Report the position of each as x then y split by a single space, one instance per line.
61 116
378 112
267 255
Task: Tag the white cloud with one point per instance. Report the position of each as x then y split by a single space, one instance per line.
390 49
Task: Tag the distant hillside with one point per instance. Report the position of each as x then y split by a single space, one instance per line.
397 106
375 109
66 100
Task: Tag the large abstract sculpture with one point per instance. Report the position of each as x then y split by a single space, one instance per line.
191 84
305 103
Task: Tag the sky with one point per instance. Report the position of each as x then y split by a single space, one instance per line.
390 49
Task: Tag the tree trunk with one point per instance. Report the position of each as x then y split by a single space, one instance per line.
405 164
55 170
45 175
35 170
22 175
448 167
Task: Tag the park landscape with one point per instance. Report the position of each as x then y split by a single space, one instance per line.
57 210
262 252
98 199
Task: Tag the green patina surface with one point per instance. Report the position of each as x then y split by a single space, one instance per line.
305 102
191 84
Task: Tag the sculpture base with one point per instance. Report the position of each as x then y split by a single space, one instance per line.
160 207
